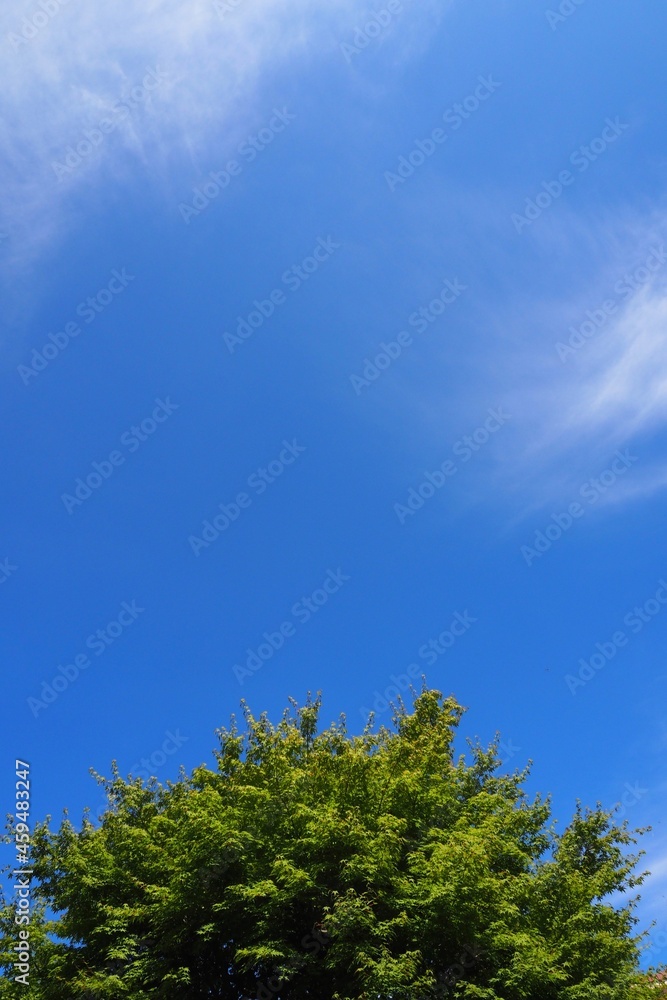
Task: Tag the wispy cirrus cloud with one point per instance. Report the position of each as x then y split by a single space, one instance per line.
653 902
585 373
69 66
90 61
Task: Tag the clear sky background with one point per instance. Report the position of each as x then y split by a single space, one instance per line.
453 373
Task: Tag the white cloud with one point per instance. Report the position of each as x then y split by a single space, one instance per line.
85 58
618 390
653 901
588 376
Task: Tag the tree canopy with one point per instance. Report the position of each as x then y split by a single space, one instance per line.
312 864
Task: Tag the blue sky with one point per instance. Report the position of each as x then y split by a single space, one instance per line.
333 354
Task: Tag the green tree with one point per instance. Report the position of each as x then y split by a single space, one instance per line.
317 865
